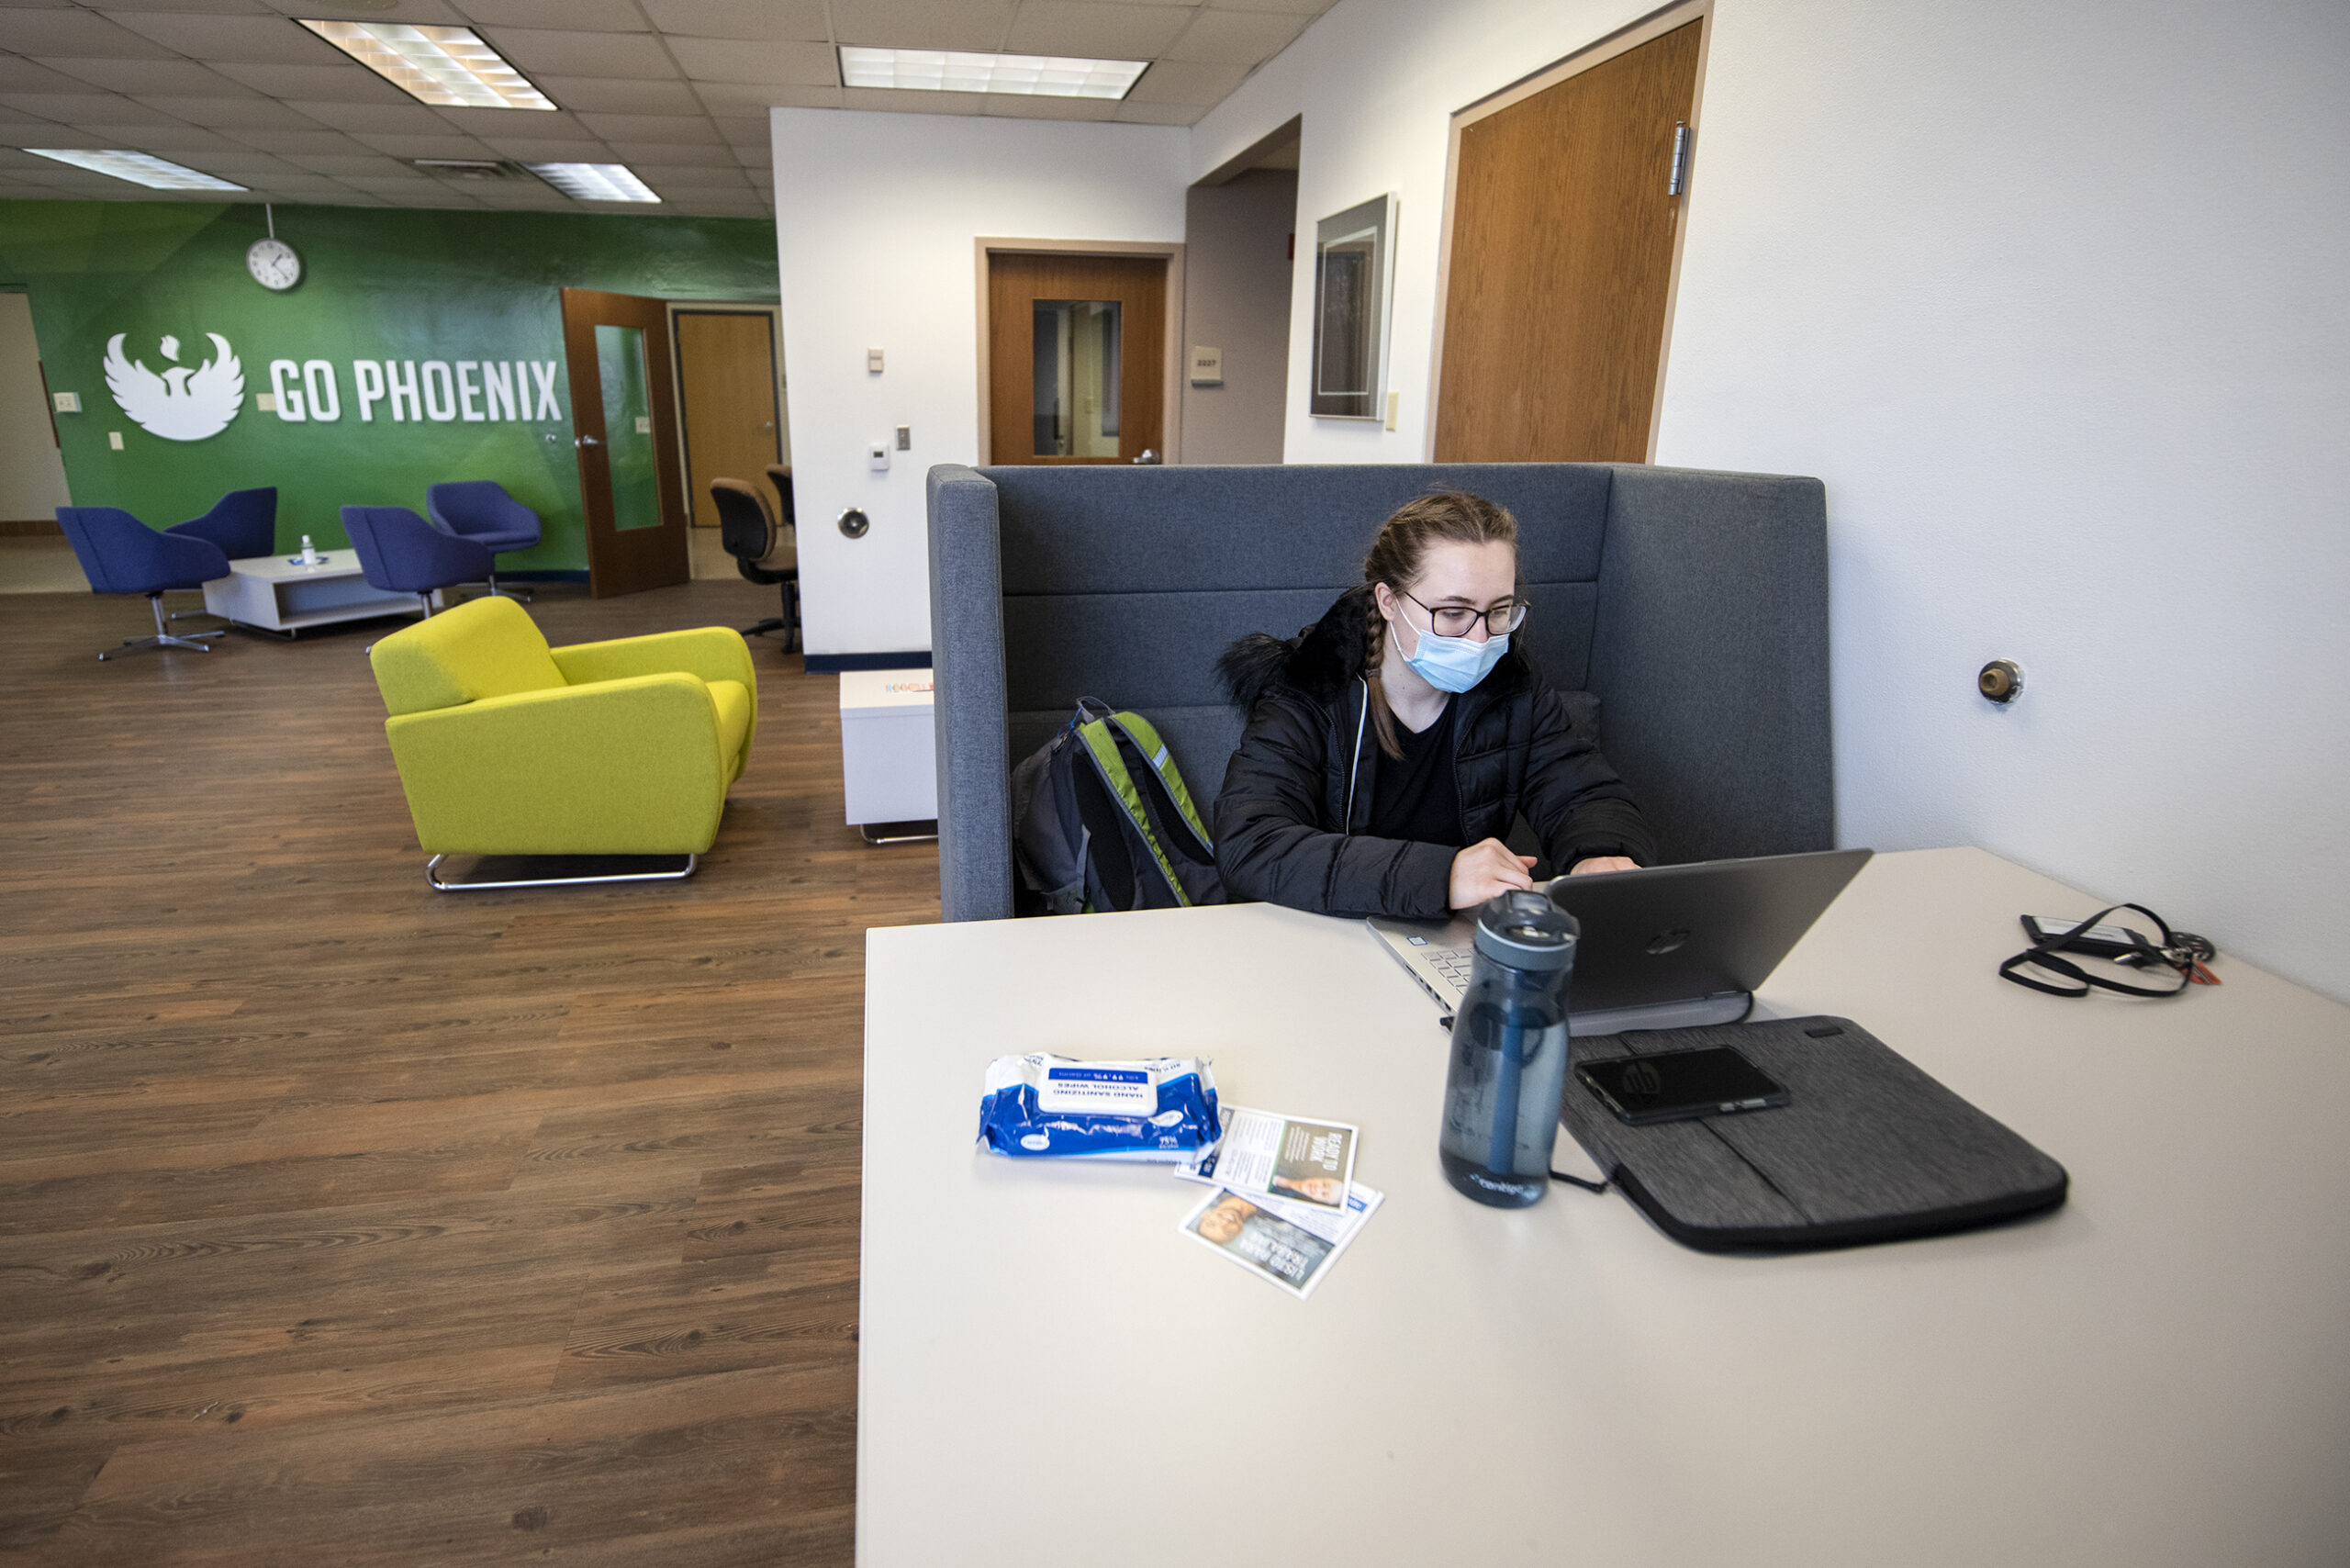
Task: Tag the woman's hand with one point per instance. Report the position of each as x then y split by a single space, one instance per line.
1603 863
1486 870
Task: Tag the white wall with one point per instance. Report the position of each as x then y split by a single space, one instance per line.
874 216
1237 277
2051 297
32 474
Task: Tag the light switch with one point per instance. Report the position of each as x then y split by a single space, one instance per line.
69 402
905 438
1394 401
114 439
877 456
644 424
873 361
264 403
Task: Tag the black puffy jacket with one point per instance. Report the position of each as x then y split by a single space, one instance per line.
1279 834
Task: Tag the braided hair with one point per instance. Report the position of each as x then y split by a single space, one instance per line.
1396 556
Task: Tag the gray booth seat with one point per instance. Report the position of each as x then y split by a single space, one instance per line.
1694 605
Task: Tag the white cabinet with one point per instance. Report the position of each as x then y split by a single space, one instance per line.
889 757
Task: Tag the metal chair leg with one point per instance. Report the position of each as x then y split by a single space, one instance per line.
162 638
523 594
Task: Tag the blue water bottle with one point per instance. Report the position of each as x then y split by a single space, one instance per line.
1509 1052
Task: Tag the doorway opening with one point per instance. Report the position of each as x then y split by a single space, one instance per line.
732 409
1078 355
1240 241
624 418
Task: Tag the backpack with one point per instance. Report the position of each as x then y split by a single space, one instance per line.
1101 820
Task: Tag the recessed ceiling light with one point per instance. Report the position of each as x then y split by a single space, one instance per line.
595 182
139 168
947 70
447 66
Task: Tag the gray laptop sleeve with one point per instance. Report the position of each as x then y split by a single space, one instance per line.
1867 1148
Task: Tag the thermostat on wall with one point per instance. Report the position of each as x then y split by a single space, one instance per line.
877 456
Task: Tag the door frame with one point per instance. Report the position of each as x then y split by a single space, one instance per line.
774 313
587 422
1599 51
1171 356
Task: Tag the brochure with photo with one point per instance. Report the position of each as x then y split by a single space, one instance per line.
1264 1154
1290 1244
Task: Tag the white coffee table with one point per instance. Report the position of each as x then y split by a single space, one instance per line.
280 594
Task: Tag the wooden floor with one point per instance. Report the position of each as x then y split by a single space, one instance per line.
343 1222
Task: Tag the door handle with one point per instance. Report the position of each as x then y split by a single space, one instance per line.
587 441
1148 457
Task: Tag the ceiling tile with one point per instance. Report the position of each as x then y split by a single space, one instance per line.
209 7
435 12
86 108
572 16
539 124
404 147
294 144
715 180
605 95
1176 82
658 155
159 138
922 24
1236 37
379 118
218 112
1022 106
9 116
779 19
724 97
635 55
734 60
256 40
617 128
348 83
1307 8
148 78
1132 113
1095 32
19 76
529 150
900 101
239 163
46 136
73 35
342 163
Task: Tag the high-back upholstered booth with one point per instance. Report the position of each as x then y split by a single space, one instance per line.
1694 605
506 747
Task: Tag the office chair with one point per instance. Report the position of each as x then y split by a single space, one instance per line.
763 551
122 555
243 523
401 553
481 510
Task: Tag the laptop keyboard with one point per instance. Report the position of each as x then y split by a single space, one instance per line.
1453 964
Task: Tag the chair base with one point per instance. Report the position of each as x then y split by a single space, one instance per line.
193 641
523 594
566 871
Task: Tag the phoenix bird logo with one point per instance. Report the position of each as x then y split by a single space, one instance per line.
179 404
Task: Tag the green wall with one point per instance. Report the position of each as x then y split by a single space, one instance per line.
377 284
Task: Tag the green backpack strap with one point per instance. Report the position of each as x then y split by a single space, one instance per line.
1103 746
1144 734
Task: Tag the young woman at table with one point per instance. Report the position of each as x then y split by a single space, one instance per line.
1391 745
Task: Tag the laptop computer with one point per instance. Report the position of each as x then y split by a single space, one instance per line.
1663 947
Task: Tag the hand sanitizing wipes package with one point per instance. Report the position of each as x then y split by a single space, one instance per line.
1162 1109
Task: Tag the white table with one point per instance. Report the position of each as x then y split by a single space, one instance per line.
889 766
280 594
2158 1374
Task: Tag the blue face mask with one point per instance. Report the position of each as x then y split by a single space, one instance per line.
1452 664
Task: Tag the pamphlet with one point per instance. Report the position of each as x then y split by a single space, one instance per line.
1288 1243
1263 1154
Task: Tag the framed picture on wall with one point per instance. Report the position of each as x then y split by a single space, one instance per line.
1354 272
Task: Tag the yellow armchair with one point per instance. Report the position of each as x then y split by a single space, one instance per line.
506 746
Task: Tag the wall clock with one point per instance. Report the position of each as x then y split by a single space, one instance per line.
274 264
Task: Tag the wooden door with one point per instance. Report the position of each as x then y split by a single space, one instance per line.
726 393
1561 262
624 424
1076 349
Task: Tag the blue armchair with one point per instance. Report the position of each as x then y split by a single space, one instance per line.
243 522
481 510
122 555
401 553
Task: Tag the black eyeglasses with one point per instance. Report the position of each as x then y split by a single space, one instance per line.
1458 620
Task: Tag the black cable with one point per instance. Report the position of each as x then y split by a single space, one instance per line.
1578 1182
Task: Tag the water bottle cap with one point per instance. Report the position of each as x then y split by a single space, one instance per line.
1526 931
